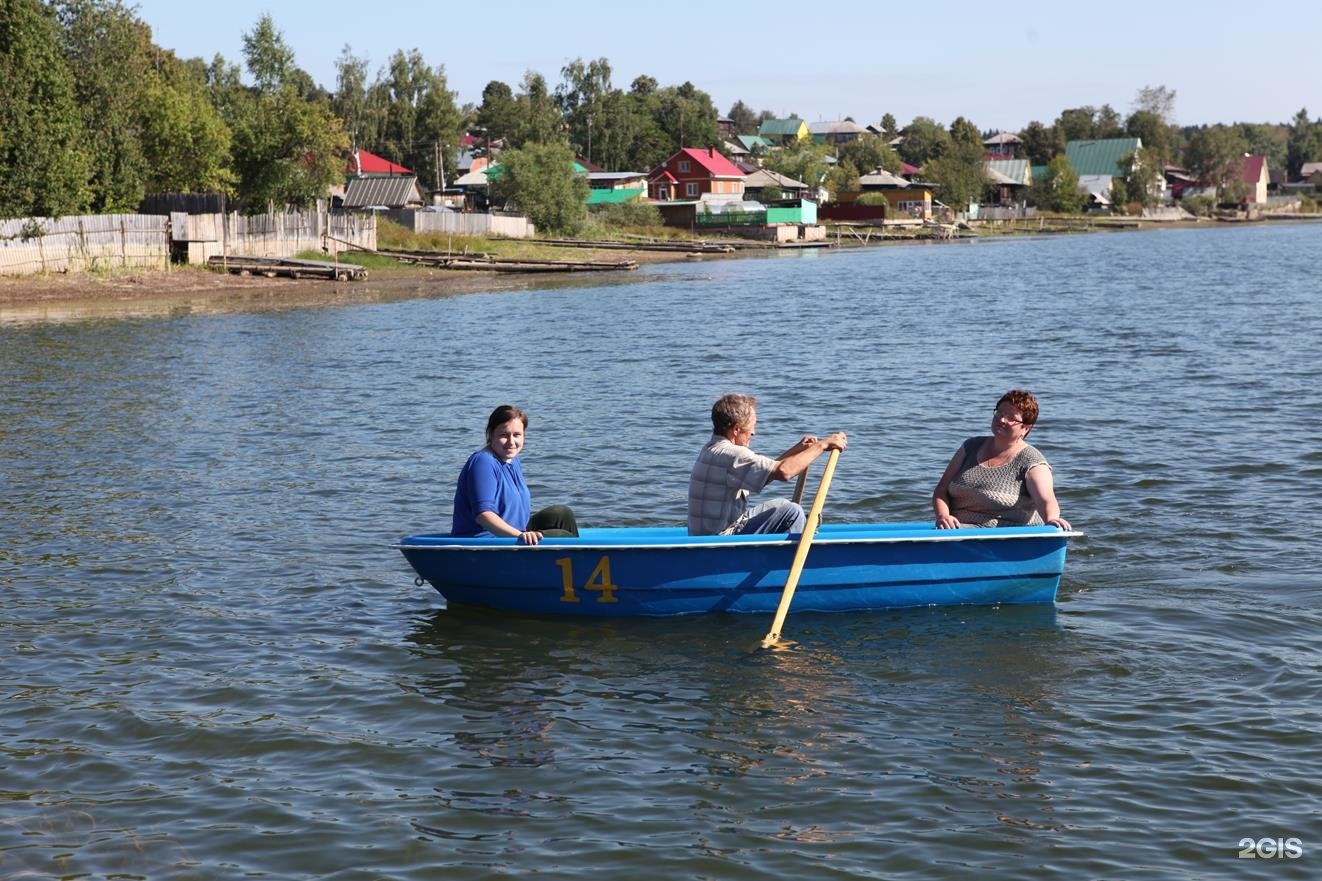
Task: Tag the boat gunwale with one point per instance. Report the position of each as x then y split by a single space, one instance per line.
492 543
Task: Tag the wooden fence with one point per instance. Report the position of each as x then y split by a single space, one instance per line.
84 243
464 224
150 241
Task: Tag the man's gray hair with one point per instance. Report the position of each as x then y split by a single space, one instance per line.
732 411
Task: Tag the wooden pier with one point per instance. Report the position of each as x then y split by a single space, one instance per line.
288 267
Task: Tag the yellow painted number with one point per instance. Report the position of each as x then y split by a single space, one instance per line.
599 581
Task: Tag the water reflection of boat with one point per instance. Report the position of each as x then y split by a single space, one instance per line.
653 571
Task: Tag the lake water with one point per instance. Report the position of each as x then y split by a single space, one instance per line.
216 667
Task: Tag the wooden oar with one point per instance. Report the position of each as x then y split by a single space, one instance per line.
798 487
801 553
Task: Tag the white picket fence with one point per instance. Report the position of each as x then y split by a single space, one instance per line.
147 241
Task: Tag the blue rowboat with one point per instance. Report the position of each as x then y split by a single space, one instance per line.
656 571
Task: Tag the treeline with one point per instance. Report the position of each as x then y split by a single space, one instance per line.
94 115
951 157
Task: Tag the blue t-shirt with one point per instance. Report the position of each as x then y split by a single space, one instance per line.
488 484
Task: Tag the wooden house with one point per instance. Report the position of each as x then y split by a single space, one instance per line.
762 182
1256 178
783 131
691 173
1101 155
1010 177
1002 146
838 132
904 198
610 187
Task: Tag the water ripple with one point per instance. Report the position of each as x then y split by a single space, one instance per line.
216 667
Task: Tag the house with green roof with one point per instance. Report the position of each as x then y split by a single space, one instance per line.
1101 156
783 131
755 144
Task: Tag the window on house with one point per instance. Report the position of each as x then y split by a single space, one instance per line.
683 165
691 189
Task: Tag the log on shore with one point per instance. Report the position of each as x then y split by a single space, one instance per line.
484 263
688 247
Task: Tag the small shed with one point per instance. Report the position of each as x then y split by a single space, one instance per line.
364 193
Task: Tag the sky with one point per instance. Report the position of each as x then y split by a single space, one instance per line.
999 65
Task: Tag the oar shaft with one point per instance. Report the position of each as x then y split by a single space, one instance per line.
801 552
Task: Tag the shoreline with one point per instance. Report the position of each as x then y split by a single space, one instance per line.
199 290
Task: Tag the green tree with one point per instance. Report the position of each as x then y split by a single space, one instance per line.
289 147
1152 132
41 129
1108 123
361 115
1141 182
962 131
959 173
620 134
439 125
889 130
869 152
924 139
539 180
1271 141
1216 155
1303 143
497 115
745 121
840 178
184 139
112 52
225 87
583 92
1076 124
419 120
537 118
287 151
269 58
1058 189
643 144
807 162
687 115
1158 101
1041 143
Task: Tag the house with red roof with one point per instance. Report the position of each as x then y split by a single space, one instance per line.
692 173
361 163
1256 179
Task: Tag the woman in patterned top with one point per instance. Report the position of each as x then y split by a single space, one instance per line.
999 480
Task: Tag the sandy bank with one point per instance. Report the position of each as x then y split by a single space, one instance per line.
182 290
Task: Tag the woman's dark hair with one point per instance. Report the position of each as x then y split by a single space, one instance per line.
502 414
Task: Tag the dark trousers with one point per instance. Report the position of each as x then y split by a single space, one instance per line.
556 520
